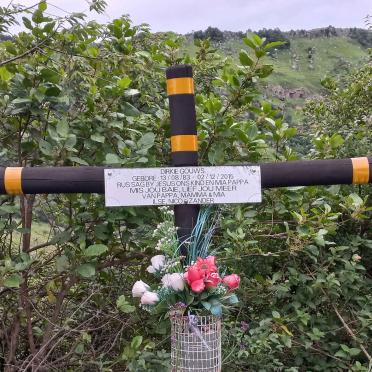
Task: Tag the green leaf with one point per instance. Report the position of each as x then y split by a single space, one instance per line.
62 128
37 16
341 354
216 154
265 70
274 44
13 281
124 82
45 147
249 42
123 305
260 53
258 41
86 270
147 140
129 109
50 75
244 58
336 141
93 52
189 299
353 351
95 250
21 100
10 47
42 6
136 342
79 349
71 141
252 131
53 91
97 138
5 75
355 200
49 26
27 23
112 159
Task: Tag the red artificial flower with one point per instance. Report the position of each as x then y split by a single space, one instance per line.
206 265
192 274
212 280
203 274
232 281
198 286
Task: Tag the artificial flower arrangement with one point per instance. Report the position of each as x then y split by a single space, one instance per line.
192 284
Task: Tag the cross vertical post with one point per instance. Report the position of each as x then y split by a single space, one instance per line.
184 141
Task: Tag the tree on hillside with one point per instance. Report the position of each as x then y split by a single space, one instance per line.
212 33
272 35
362 36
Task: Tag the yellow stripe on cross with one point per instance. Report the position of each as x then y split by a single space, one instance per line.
181 85
184 142
13 180
360 170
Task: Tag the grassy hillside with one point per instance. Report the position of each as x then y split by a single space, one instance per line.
332 56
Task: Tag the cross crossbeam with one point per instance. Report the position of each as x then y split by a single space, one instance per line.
67 180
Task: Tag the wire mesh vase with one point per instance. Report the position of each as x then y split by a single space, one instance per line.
196 346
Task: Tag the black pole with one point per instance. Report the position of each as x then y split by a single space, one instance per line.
64 180
184 142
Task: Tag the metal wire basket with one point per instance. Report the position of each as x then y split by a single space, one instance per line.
196 346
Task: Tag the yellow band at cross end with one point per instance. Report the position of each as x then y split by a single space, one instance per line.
360 170
184 142
13 180
184 85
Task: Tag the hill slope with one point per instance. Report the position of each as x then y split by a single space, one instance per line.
292 67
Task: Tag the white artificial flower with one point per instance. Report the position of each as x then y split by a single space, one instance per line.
166 280
178 284
158 261
139 288
149 298
150 269
174 281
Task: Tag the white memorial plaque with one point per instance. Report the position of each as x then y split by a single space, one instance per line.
182 185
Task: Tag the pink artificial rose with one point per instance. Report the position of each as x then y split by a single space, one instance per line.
212 280
193 274
206 265
232 281
198 286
